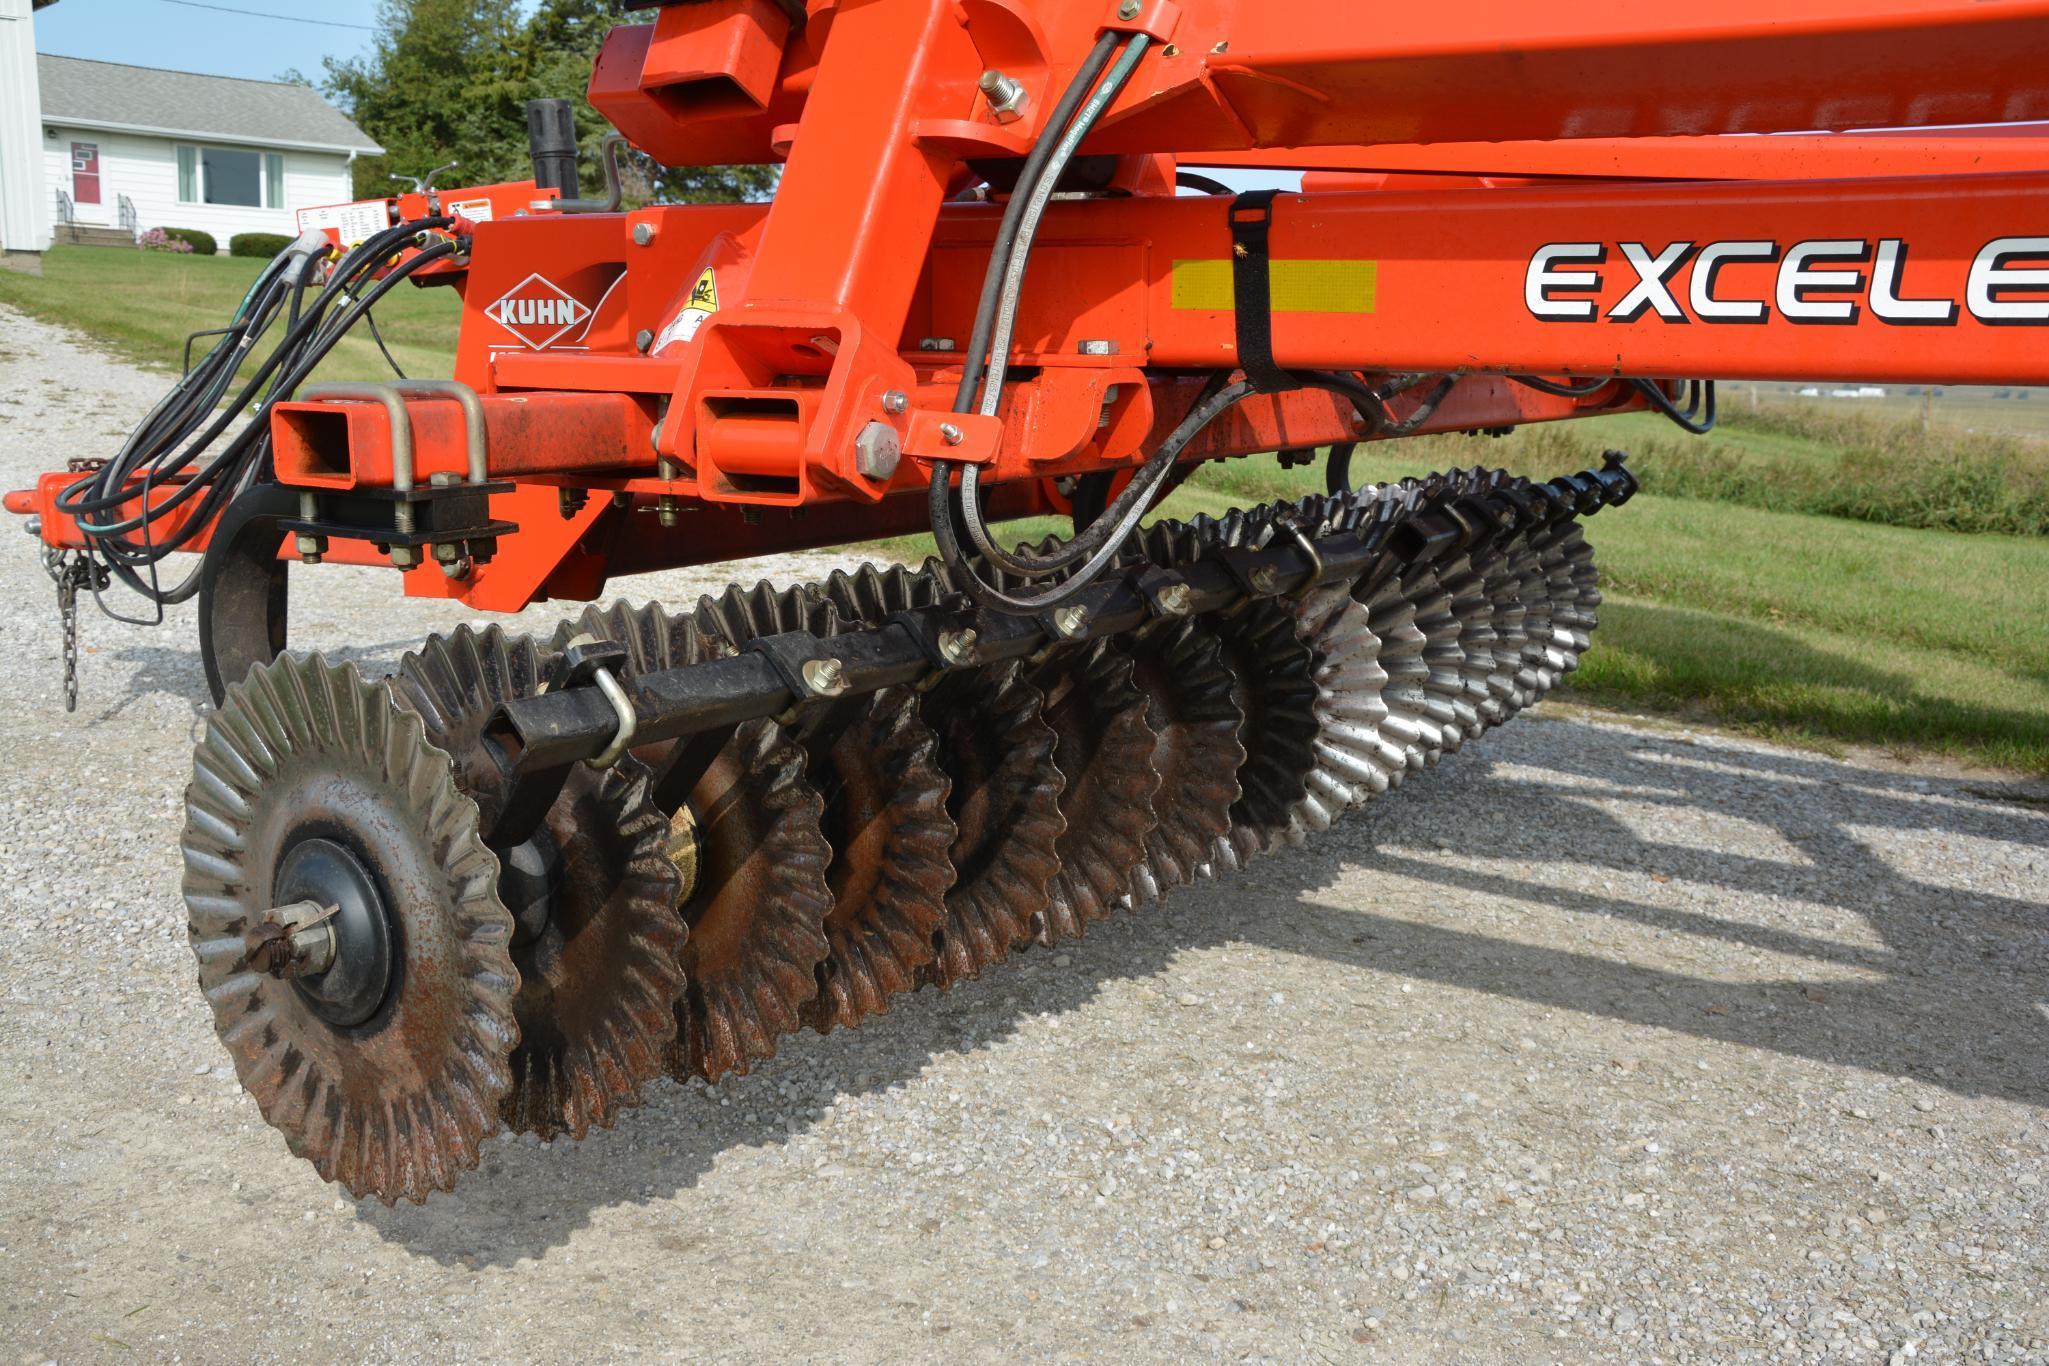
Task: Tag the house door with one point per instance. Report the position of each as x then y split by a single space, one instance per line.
85 182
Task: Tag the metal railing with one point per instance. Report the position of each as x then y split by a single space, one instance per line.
65 212
130 221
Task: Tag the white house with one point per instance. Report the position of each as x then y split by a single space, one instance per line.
127 148
24 210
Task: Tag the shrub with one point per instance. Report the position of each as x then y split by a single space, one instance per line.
156 239
259 244
202 243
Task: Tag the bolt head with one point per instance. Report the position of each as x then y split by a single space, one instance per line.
1072 621
33 526
826 677
951 434
895 402
643 340
442 479
1128 10
1265 578
1176 599
643 234
405 556
877 451
958 647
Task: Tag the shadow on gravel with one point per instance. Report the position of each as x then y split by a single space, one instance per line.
1947 957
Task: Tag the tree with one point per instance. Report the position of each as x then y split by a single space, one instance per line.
449 80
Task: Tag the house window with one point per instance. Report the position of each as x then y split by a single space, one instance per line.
231 175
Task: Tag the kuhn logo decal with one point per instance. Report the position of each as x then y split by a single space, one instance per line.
538 311
1826 281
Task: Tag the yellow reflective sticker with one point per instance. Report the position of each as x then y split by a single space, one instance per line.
704 295
1298 286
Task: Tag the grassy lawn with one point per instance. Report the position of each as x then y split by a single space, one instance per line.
141 305
1804 573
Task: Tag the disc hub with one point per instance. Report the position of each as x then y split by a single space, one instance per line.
326 872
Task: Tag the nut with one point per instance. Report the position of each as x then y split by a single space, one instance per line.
958 647
1176 600
826 677
1072 621
877 451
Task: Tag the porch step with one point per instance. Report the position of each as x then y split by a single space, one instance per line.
84 235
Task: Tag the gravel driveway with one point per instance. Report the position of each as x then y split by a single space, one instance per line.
1597 1042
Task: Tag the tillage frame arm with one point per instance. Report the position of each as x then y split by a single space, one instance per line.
1492 196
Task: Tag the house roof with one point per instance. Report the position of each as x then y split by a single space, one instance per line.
144 99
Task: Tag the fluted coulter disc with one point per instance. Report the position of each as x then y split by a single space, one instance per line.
350 937
597 939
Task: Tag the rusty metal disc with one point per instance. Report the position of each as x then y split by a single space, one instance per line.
886 819
1003 786
758 902
1195 718
1275 689
384 1069
1272 686
1104 748
593 893
874 761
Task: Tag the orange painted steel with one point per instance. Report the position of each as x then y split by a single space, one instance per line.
1504 191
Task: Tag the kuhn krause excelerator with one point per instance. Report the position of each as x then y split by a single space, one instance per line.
518 881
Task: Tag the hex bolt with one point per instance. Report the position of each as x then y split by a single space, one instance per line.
1128 10
826 677
1265 578
643 341
1007 99
1072 621
896 402
643 234
951 434
1176 600
405 556
308 546
877 451
958 647
444 479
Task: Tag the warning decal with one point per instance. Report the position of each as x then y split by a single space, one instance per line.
703 302
1298 286
704 295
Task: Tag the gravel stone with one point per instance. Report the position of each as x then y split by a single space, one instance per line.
1600 1041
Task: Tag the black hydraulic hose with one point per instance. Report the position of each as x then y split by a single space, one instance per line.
1196 180
1698 417
163 445
1545 386
1057 120
1156 468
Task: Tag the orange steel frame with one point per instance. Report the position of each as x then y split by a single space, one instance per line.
1491 191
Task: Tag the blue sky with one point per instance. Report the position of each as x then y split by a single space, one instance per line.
176 37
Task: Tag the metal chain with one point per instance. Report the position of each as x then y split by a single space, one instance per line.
71 570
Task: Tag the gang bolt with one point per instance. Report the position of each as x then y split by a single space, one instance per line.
958 647
1176 600
826 677
877 451
643 234
1072 621
1006 97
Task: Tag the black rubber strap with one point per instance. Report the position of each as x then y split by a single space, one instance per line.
1252 281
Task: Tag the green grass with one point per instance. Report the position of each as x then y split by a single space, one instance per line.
140 305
